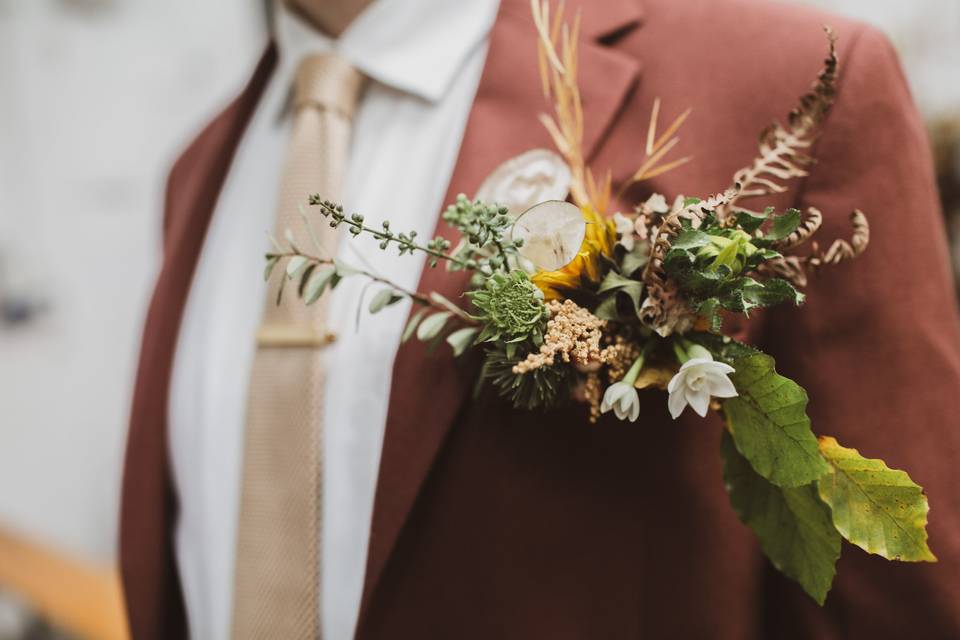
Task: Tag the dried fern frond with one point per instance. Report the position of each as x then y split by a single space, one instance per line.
809 226
842 250
783 149
794 268
790 268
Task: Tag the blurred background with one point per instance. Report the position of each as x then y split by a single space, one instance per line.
97 97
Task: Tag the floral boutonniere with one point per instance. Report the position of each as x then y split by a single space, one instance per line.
572 301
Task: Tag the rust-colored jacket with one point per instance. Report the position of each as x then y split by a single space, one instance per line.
493 523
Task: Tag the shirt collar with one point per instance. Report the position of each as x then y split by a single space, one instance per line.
414 46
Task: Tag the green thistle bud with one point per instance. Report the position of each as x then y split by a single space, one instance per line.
511 305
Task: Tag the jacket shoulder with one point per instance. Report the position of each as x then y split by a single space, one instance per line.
764 51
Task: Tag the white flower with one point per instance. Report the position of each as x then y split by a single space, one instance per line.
625 227
622 397
524 180
698 379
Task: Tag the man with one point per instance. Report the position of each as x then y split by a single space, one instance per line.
437 515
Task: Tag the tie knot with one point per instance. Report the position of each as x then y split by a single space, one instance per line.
327 81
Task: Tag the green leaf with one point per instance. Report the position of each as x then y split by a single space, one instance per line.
295 265
344 270
384 297
710 309
288 235
461 339
304 277
432 326
268 268
750 222
769 424
636 259
412 324
614 280
773 291
879 509
723 348
784 225
690 239
317 283
607 309
744 294
792 524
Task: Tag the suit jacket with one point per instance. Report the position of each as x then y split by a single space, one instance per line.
494 523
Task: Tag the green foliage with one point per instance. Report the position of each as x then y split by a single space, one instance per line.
412 324
792 524
462 339
613 287
541 388
879 509
635 260
406 243
723 348
710 265
484 227
511 308
715 266
769 423
295 266
750 222
431 326
319 280
272 261
784 225
384 298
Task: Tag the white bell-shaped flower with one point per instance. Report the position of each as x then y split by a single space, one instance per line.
698 380
622 397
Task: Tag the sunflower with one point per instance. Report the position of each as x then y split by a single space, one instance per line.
599 240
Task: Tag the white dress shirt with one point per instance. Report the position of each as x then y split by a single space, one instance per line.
424 59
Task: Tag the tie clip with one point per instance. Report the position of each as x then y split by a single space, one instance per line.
292 336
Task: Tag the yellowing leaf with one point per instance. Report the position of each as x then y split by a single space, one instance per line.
879 509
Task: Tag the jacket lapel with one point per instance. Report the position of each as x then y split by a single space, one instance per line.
148 510
429 388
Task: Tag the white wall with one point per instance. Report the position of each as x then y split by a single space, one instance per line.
96 98
927 35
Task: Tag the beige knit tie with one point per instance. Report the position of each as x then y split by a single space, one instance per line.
277 584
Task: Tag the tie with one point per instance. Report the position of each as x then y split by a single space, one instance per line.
276 583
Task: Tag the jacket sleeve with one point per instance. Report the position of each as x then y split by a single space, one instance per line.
877 346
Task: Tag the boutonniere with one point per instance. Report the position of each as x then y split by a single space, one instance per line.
570 301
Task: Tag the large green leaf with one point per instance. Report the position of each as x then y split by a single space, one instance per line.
769 424
784 225
793 525
879 509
